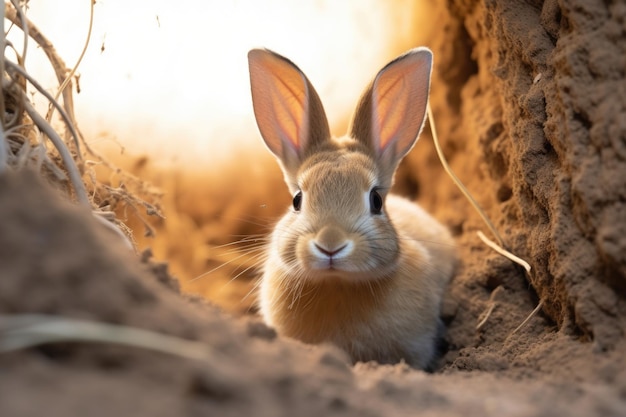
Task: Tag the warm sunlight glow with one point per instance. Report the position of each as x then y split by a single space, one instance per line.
169 79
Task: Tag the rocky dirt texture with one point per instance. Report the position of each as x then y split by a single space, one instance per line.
530 103
58 261
535 112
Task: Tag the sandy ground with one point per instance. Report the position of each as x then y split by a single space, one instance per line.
530 105
56 260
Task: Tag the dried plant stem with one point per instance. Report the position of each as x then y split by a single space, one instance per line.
68 161
66 117
498 247
530 316
4 152
60 69
486 317
3 42
22 17
68 79
28 330
503 251
107 223
457 181
22 144
61 72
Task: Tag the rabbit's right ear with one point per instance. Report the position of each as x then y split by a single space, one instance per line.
287 109
391 113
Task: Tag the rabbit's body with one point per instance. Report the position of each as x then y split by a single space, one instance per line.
386 319
349 264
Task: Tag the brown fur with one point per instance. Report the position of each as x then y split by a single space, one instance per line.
337 270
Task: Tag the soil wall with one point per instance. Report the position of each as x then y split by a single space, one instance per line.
530 103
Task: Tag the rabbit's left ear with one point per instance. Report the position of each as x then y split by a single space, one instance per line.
391 113
287 109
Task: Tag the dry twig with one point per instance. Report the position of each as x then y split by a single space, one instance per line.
27 330
498 247
19 146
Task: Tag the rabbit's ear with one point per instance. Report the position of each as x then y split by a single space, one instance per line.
392 110
288 111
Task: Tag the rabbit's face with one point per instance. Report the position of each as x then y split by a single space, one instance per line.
337 227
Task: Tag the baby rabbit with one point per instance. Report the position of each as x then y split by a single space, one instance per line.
349 263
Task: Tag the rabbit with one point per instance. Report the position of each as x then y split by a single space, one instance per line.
350 264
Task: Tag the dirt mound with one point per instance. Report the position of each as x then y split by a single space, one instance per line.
57 260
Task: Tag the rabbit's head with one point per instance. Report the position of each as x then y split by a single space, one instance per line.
338 225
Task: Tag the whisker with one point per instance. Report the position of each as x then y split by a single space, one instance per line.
255 221
259 258
246 239
254 288
253 247
219 267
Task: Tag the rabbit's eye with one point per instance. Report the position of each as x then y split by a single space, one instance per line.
297 201
376 202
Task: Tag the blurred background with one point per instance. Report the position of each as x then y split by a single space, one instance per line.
164 92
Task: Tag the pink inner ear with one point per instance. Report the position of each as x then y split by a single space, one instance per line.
399 99
291 107
390 114
280 99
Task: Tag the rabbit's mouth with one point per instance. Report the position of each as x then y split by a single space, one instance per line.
325 256
343 270
329 265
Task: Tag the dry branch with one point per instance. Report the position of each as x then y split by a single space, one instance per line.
25 132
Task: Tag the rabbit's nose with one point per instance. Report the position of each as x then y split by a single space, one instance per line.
331 241
329 252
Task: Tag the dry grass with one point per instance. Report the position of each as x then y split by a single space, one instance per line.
30 140
27 330
498 247
61 155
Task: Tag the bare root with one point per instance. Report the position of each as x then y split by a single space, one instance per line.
70 161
